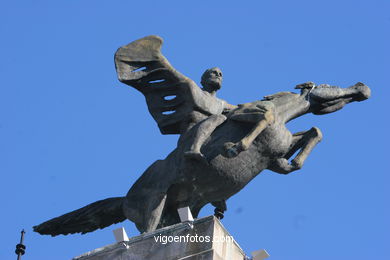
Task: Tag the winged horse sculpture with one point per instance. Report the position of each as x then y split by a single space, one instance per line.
221 148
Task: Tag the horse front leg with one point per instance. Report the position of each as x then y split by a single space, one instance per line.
303 141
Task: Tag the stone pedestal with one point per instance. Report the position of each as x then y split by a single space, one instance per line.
204 239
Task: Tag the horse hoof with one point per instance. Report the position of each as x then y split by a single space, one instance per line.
296 165
195 156
232 152
230 149
218 213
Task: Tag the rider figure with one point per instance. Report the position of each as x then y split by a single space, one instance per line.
211 82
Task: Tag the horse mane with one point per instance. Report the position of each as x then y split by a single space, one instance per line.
277 95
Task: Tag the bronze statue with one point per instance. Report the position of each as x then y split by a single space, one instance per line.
221 147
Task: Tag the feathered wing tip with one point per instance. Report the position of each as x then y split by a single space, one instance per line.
97 215
141 64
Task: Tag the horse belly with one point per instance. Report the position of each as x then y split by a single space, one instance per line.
225 177
275 140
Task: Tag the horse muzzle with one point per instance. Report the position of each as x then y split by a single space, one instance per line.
360 91
326 99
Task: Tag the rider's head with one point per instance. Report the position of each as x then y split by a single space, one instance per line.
212 79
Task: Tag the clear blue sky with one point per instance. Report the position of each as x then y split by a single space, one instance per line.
71 133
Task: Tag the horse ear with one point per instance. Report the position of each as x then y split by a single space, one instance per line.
308 84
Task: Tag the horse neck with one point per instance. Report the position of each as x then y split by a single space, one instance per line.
291 106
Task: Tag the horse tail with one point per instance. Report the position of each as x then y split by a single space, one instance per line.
97 215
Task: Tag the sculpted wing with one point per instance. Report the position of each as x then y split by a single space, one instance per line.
171 96
99 214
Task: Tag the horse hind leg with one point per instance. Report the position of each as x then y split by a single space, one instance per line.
303 141
220 208
146 199
155 211
170 215
150 217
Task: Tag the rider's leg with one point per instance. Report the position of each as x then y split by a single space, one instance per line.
243 145
205 129
302 140
259 127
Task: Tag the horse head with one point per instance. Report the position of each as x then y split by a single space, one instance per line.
326 99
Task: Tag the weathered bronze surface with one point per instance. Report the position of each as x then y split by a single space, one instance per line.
222 147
